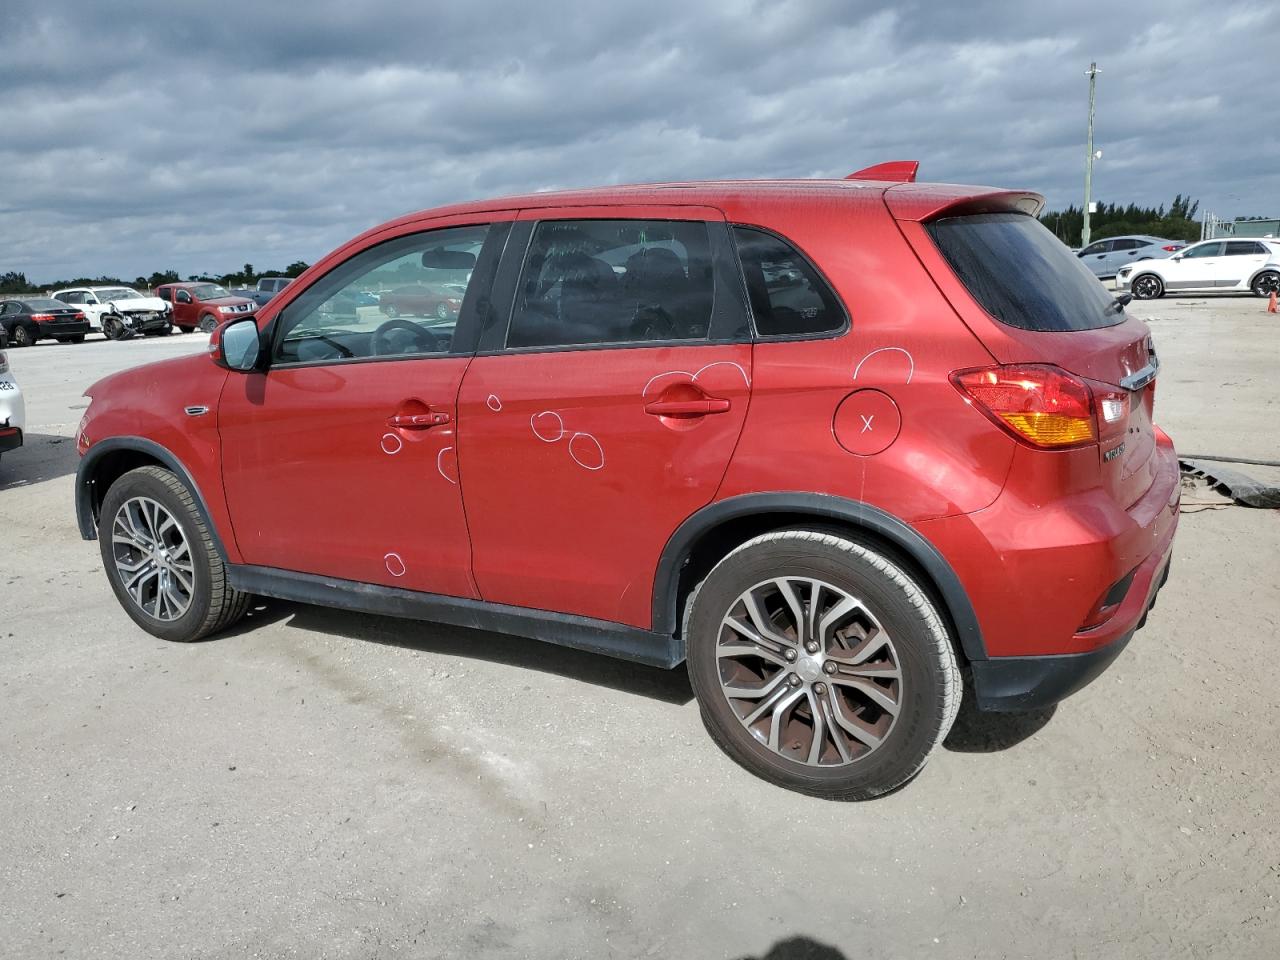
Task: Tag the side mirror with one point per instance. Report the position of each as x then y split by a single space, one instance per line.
237 346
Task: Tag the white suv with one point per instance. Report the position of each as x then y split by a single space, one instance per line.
13 411
1209 265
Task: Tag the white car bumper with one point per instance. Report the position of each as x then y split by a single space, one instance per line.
13 410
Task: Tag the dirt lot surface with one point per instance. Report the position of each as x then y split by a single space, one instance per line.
325 785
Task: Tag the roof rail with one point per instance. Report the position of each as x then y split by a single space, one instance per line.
902 171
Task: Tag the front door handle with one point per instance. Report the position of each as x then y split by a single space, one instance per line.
686 408
418 421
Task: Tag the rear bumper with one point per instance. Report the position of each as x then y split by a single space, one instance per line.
64 329
1010 684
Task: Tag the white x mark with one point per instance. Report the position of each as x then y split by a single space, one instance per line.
866 422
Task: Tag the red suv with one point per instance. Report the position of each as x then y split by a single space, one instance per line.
201 305
833 445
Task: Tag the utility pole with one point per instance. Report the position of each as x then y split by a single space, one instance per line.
1092 74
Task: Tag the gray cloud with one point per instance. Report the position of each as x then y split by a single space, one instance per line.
138 135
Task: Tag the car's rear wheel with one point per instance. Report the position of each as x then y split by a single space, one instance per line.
442 311
1147 286
1265 284
820 665
162 331
23 335
208 323
78 338
161 559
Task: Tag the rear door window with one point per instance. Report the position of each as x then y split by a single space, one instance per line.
596 282
1022 275
1243 248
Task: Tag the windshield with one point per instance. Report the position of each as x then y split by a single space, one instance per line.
118 293
209 291
1022 274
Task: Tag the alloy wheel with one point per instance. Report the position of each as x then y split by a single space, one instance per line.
1146 287
1267 284
809 671
153 558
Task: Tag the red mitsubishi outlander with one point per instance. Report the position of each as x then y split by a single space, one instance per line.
831 444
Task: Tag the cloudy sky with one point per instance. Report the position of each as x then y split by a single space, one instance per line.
139 135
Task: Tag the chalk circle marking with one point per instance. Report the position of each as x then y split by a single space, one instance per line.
541 434
588 441
911 368
394 447
440 461
395 565
493 403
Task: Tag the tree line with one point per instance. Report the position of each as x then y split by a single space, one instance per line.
1178 222
16 282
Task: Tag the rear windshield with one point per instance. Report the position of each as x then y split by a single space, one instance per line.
1022 274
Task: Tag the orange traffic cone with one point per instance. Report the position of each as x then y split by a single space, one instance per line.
1271 304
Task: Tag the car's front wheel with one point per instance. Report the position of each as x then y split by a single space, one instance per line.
1147 286
208 323
161 559
820 665
1265 284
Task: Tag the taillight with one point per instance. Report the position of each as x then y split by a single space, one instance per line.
78 316
42 317
1037 403
1113 413
1172 247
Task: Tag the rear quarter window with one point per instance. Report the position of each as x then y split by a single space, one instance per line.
1022 274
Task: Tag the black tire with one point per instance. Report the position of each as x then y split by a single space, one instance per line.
930 687
23 335
182 329
215 604
1266 283
164 331
113 327
1146 286
78 338
208 323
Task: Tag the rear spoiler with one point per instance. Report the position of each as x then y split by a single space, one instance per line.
898 171
929 201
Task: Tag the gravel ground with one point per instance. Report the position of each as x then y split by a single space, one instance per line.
319 784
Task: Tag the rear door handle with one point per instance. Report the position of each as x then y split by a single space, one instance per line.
418 421
686 408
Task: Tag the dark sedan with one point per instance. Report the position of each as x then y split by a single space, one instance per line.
41 318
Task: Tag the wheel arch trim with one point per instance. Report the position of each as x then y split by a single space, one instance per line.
86 478
680 546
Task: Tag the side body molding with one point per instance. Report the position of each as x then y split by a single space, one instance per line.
819 507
